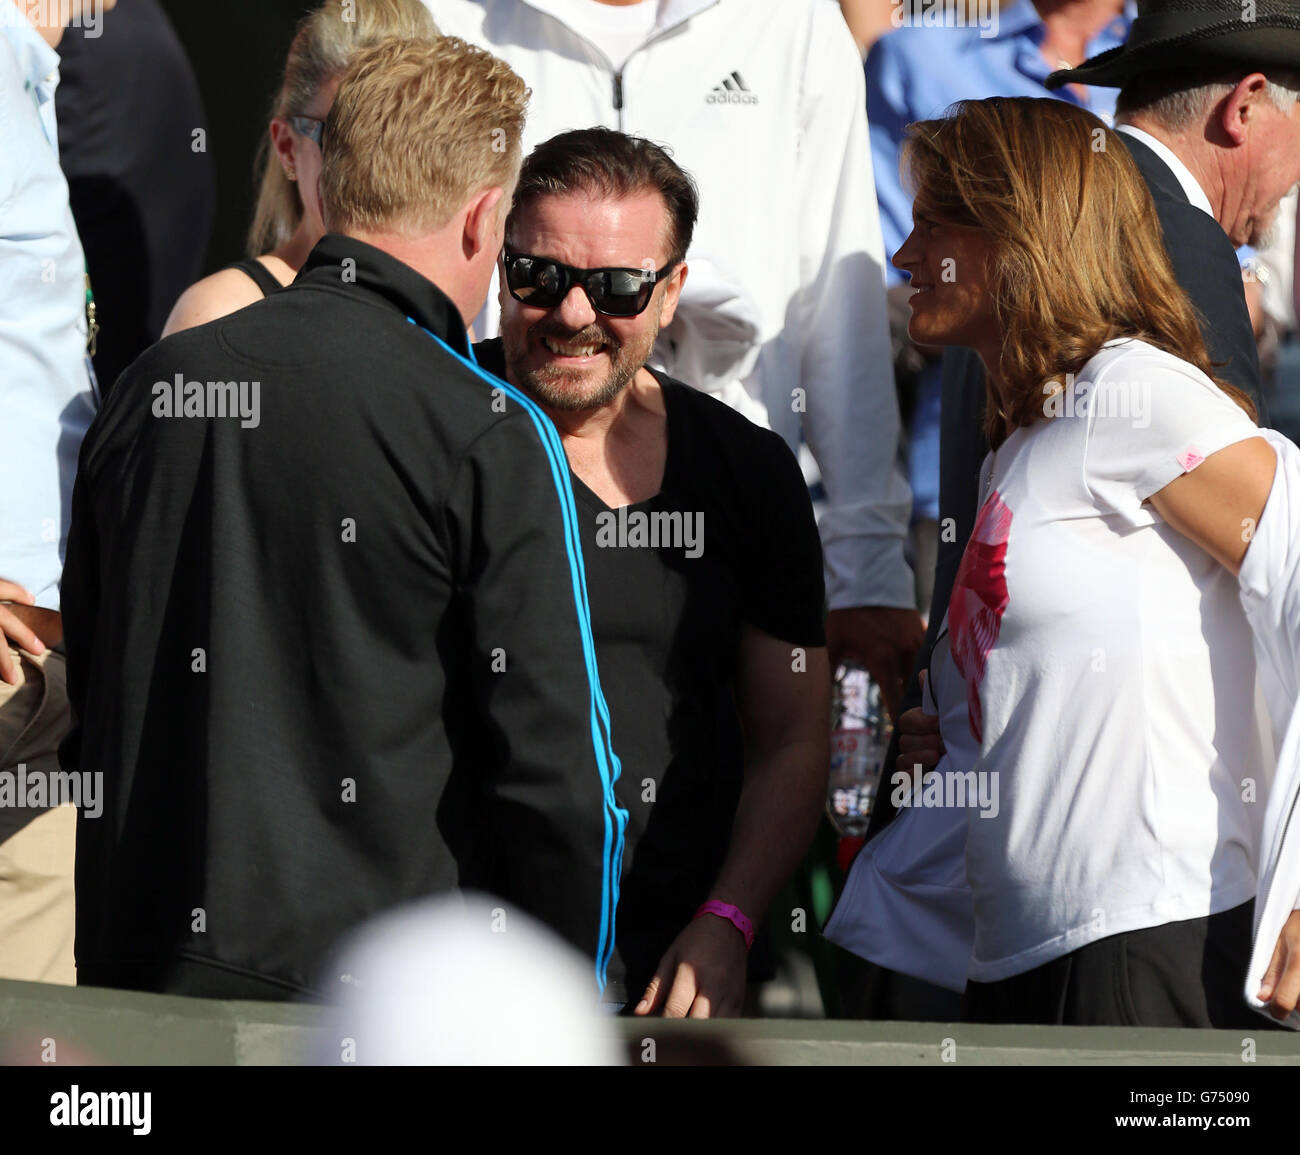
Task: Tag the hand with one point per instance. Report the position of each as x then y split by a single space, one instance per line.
706 969
919 740
884 639
1281 985
15 632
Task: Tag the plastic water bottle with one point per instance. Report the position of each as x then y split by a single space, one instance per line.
860 731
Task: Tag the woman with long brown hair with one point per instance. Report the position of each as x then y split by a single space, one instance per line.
287 219
1095 687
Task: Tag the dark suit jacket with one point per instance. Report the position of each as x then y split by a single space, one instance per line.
1206 266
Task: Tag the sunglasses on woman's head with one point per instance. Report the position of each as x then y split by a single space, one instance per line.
310 127
543 283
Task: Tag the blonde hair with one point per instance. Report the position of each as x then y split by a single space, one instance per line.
1077 257
417 128
322 47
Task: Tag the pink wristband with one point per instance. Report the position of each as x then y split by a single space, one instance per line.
733 914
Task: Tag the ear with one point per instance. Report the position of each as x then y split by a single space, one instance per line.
1241 105
484 224
672 294
282 142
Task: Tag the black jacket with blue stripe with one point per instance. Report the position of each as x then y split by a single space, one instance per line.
331 652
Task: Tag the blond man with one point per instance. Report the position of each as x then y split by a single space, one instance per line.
326 617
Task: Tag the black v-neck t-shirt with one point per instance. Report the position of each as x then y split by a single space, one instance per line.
667 630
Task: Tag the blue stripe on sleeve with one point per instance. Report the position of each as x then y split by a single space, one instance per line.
607 761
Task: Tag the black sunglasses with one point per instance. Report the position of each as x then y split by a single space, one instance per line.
544 283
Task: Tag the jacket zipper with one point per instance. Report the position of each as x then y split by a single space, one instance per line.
615 77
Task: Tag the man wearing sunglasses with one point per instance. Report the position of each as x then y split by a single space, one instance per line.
704 570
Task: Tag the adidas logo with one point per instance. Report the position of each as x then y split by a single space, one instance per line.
732 90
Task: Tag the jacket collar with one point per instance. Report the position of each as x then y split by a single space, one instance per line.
393 281
1188 185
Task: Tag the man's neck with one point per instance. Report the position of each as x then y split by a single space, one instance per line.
1201 158
435 257
620 450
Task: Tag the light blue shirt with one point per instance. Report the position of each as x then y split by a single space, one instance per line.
46 385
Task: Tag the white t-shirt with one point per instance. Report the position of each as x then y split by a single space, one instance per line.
618 30
1109 674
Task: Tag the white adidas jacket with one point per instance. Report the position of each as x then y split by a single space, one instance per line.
763 102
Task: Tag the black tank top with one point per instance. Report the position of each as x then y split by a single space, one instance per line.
261 276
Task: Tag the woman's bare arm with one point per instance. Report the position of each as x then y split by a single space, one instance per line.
1219 503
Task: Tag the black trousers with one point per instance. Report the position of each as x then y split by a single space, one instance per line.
1181 974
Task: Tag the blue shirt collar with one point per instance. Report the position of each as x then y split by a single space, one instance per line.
38 61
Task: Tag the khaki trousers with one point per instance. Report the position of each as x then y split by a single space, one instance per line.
37 846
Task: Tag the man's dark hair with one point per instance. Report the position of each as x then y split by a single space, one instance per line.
603 162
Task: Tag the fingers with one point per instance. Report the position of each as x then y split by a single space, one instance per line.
910 763
651 997
13 592
682 994
19 633
1273 973
687 1000
14 632
919 742
700 1009
1283 975
917 721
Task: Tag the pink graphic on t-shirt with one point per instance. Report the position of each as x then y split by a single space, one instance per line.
1190 458
979 598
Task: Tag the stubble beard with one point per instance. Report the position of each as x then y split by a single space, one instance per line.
562 389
